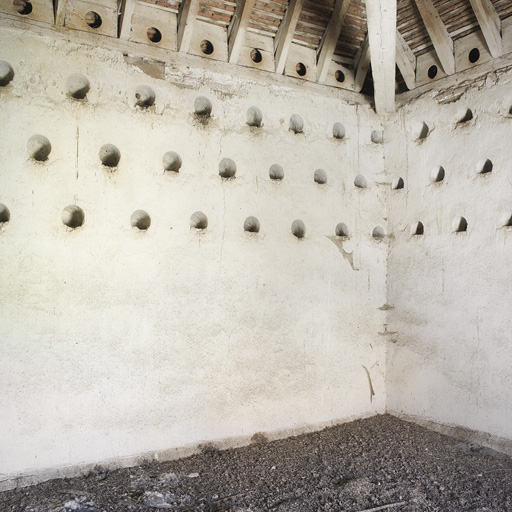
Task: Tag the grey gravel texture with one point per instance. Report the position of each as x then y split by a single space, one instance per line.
381 463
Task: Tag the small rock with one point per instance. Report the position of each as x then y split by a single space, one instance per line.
193 475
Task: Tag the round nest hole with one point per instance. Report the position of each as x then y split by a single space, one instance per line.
206 47
437 174
300 68
22 7
154 35
141 220
474 55
397 184
298 228
417 229
342 230
432 72
73 216
198 220
256 55
93 19
339 76
378 233
252 225
460 225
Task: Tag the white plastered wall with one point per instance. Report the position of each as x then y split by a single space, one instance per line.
116 342
449 360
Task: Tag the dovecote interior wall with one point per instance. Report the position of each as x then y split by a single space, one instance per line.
126 330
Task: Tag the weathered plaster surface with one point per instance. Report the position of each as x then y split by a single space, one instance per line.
117 342
449 360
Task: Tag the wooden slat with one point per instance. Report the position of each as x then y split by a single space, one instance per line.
490 24
283 39
238 28
328 44
438 33
60 13
406 61
186 17
381 15
362 65
125 19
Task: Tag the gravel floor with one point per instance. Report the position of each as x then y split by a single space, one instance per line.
381 463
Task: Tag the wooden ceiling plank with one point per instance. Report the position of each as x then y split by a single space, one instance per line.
406 61
331 35
238 28
490 24
382 42
443 43
361 64
186 17
126 18
284 36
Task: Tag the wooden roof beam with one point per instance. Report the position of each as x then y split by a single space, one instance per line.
186 17
381 15
238 28
331 36
406 61
60 13
284 36
361 64
490 24
125 20
443 43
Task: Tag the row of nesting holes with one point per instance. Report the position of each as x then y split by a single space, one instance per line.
39 148
93 20
437 174
460 225
73 217
77 87
473 57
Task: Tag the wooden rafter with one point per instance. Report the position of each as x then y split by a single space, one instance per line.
331 36
238 28
284 36
126 18
490 24
381 15
186 17
60 13
406 61
361 65
443 43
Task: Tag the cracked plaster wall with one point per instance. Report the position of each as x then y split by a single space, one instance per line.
449 360
117 343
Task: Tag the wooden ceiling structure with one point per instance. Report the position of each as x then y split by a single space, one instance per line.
360 45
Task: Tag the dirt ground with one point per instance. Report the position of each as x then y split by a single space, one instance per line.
381 463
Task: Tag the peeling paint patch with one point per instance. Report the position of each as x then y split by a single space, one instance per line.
349 256
152 68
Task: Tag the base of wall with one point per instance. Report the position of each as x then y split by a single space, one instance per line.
499 444
15 481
